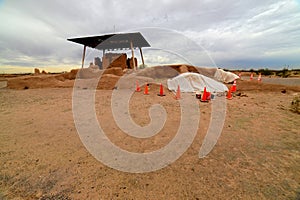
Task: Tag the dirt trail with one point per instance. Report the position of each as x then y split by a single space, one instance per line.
42 157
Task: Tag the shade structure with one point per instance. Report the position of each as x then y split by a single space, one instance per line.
113 41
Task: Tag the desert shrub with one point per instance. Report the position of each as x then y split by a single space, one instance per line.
265 72
296 71
295 104
284 73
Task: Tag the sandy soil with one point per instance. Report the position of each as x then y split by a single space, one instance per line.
256 157
282 81
293 81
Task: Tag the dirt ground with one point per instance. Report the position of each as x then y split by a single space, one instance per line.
256 157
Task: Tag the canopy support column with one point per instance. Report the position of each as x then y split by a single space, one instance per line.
132 53
83 56
142 56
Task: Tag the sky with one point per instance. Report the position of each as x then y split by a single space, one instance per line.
229 34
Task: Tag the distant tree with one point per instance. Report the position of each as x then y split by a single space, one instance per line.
284 73
265 72
296 71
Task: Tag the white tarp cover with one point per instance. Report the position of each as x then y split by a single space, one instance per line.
193 82
225 77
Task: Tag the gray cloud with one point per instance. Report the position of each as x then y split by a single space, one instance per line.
234 33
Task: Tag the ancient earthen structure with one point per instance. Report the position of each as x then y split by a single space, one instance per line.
113 42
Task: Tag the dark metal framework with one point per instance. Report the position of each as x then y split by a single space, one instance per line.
113 42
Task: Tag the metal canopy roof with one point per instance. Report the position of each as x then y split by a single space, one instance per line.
113 41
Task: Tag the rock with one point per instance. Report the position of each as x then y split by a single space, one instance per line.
87 73
108 82
60 77
130 62
92 66
183 69
98 62
36 71
39 194
73 73
44 72
69 75
158 72
119 62
115 71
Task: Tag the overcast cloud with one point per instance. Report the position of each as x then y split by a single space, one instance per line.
235 34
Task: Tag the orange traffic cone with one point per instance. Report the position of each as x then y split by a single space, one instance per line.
234 86
146 91
251 76
229 95
178 95
161 91
259 78
138 89
204 96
